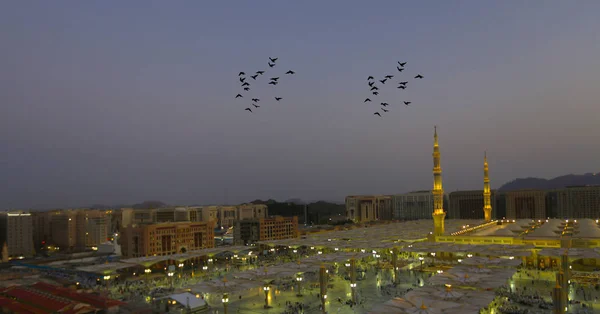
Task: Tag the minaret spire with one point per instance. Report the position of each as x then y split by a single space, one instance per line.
438 191
487 203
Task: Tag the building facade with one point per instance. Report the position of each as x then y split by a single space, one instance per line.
413 205
16 230
469 204
63 228
249 231
166 238
526 204
578 202
91 228
363 208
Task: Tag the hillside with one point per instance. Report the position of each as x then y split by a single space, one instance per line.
556 183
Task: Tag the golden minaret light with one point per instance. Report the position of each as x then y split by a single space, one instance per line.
487 203
438 191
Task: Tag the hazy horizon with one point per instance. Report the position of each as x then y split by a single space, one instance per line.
121 102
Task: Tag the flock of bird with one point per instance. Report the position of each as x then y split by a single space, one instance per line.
272 81
374 88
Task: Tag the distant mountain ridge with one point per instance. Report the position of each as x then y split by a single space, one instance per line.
555 183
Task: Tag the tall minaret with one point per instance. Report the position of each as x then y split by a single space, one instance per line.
487 203
438 191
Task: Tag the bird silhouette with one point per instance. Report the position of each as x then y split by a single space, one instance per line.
246 88
256 106
400 69
378 114
385 104
274 78
383 81
254 76
260 72
367 100
402 64
248 109
371 83
271 65
241 73
403 83
255 99
389 76
370 78
384 110
419 76
246 84
375 93
238 96
407 103
402 86
273 59
374 88
290 72
278 98
242 79
272 83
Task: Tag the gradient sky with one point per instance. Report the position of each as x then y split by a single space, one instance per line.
117 102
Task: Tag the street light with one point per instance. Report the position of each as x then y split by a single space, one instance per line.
421 258
170 275
225 300
266 288
299 281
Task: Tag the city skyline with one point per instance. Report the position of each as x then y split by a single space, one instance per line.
117 104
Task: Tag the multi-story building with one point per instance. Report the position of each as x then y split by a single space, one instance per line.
363 208
526 204
63 229
91 228
248 231
468 204
16 230
578 202
251 211
413 205
166 238
500 205
42 232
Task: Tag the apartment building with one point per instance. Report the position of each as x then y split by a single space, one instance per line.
413 205
526 204
91 228
249 231
16 231
363 208
468 204
166 238
578 202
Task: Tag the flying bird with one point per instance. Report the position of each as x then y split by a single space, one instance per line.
402 64
271 65
238 96
385 104
290 72
374 88
241 73
256 106
255 99
389 76
402 86
377 113
254 76
272 83
419 76
400 69
242 79
371 83
407 103
246 84
273 59
246 88
274 78
403 83
370 78
260 72
367 100
384 110
375 93
278 98
248 109
383 81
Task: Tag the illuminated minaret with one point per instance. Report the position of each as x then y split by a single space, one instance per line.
487 203
438 191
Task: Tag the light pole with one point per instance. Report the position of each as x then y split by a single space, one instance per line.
323 280
353 279
106 281
395 264
170 275
147 271
421 258
299 281
180 269
266 289
225 300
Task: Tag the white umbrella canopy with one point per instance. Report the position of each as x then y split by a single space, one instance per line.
462 277
266 274
572 253
221 286
498 262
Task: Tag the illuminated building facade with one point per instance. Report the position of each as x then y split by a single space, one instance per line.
166 238
16 230
91 228
275 228
363 208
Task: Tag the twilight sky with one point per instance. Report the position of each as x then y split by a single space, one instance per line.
118 102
